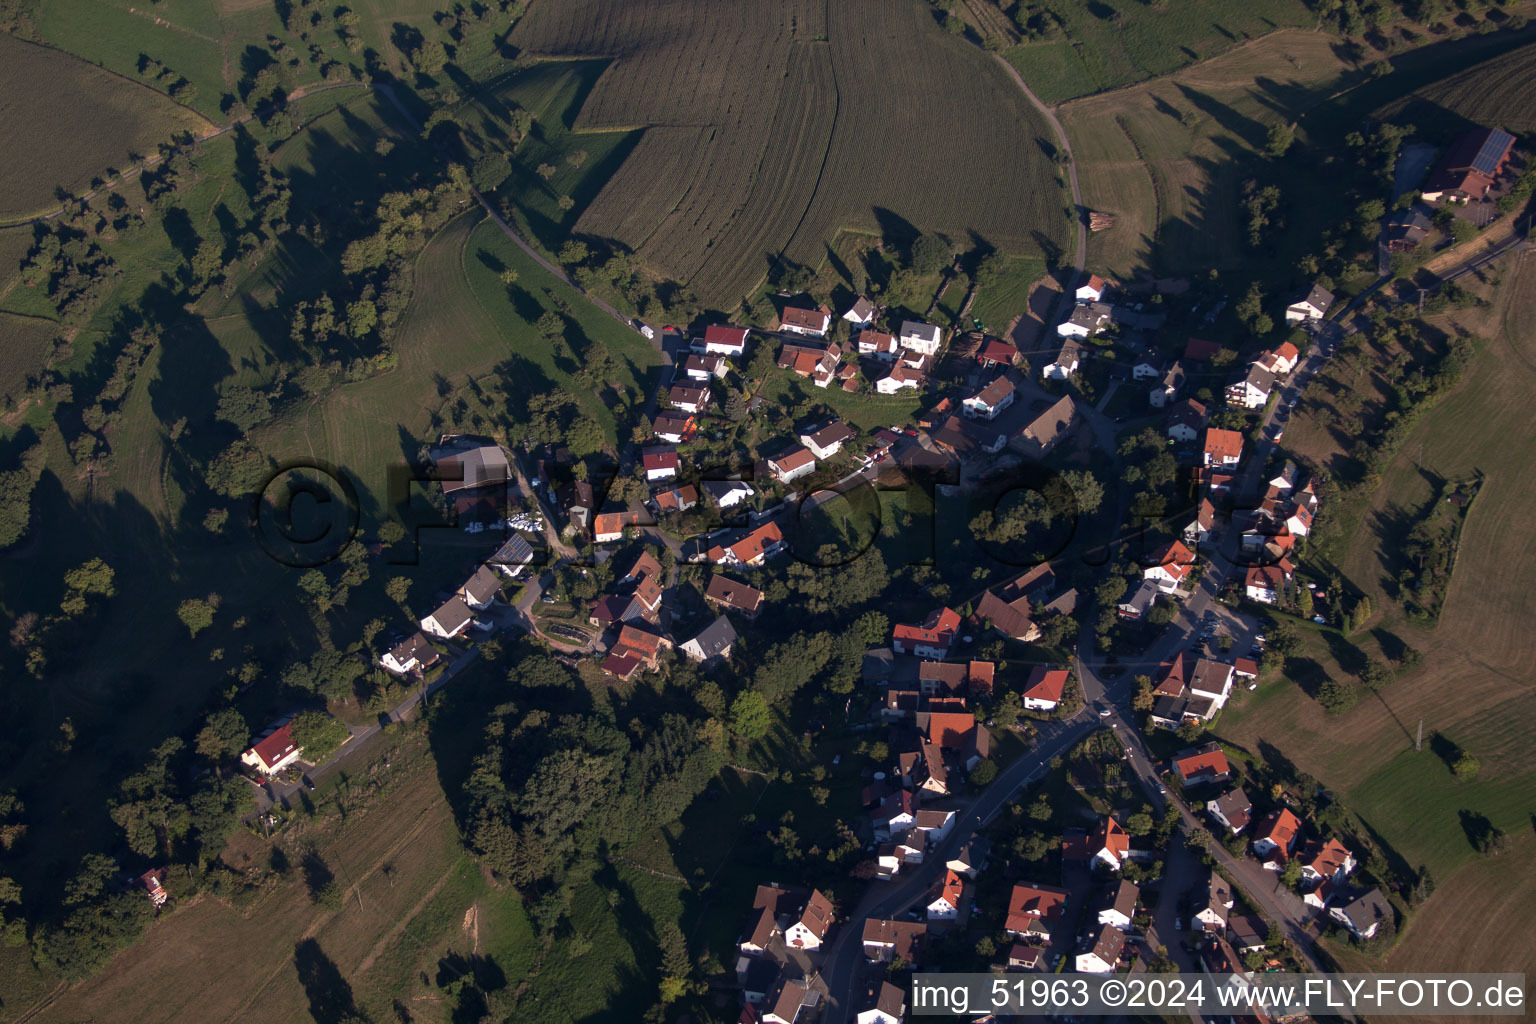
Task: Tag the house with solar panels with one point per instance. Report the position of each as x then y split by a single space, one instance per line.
1469 168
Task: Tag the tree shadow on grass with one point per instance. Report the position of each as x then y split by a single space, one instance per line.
330 996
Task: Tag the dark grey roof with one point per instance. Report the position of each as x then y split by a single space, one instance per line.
717 637
1365 908
516 551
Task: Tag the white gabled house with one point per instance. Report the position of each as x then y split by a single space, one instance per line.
1065 363
861 313
990 400
920 337
724 340
1092 290
1311 307
449 620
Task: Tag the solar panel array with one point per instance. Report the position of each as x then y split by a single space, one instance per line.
1494 147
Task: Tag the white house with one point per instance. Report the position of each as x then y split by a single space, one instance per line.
1117 905
1186 420
944 898
728 493
688 399
1199 528
1232 809
790 998
990 400
792 465
722 340
1212 680
409 655
1253 390
810 322
1088 318
1362 913
704 367
1065 363
1043 689
899 378
1311 307
920 337
1328 861
1223 448
449 620
888 861
1265 583
1092 290
813 924
660 464
713 644
828 440
1167 389
1102 956
885 1004
935 822
896 815
1147 368
274 751
861 313
1281 359
1216 904
877 345
1172 565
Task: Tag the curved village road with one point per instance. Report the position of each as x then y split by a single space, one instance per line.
1080 258
840 970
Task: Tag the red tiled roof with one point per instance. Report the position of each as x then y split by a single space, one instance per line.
1046 683
660 459
275 747
720 334
810 319
1279 827
1223 443
993 350
793 460
1202 762
951 729
1028 902
733 594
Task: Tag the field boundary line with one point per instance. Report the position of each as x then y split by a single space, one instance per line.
1146 165
399 926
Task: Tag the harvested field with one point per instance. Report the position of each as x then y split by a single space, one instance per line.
45 95
787 133
1500 92
1166 158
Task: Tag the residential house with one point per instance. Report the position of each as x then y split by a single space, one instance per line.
1280 360
1232 809
770 906
512 556
757 977
885 941
1034 910
1362 912
1245 668
675 499
877 345
912 845
1186 420
1066 361
1200 528
1274 837
1087 319
728 493
613 608
705 368
793 1001
1092 290
413 654
1265 583
935 823
972 678
1135 605
961 436
274 750
882 1003
1310 307
1147 367
1116 906
674 428
1010 618
753 548
1049 429
474 474
888 861
480 590
923 769
1025 958
900 378
153 884
1210 684
689 399
579 502
610 526
1406 230
723 340
930 639
828 440
990 400
634 649
659 463
959 734
1325 861
1223 448
1252 391
944 898
861 313
920 337
1248 933
713 644
1204 764
810 322
1215 904
1171 565
449 620
970 858
993 352
1044 688
792 465
734 596
1470 166
1102 953
1107 844
1167 388
815 920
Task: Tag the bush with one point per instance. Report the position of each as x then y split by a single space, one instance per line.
984 772
1337 696
1465 767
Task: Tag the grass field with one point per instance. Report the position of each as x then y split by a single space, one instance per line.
1475 684
718 188
1165 158
44 93
1102 46
998 303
